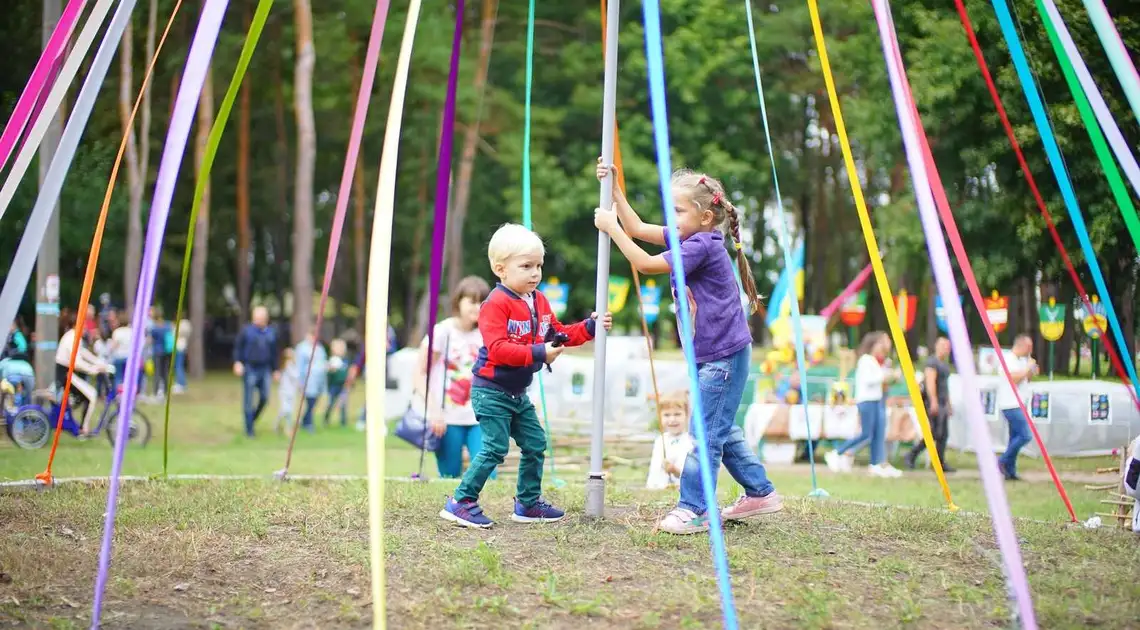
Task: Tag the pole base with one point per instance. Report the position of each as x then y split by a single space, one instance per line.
282 475
595 495
819 493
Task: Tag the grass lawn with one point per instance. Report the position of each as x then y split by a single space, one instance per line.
259 553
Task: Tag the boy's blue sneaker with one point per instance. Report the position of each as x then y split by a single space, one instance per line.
540 512
465 513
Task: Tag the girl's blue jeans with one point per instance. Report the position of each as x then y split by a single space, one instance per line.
449 456
873 418
722 384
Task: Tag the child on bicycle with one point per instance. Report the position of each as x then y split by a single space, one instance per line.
721 339
86 364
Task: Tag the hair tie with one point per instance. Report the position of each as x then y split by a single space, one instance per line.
716 199
739 246
701 180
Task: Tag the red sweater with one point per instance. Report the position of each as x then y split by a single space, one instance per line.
515 338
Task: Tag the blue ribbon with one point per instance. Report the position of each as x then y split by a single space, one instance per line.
1029 87
786 245
655 57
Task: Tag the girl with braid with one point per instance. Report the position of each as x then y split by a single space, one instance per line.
721 340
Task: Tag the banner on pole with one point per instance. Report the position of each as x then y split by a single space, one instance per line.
557 294
1052 320
907 305
619 291
940 314
650 301
1091 320
854 309
997 307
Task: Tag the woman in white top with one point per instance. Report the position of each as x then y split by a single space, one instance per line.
455 347
872 376
86 364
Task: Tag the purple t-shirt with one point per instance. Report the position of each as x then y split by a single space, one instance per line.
721 327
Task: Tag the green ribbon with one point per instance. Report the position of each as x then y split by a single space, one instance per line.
1100 145
219 127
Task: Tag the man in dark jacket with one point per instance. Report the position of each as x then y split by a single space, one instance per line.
255 360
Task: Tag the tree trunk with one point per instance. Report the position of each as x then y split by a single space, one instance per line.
417 248
280 236
303 178
454 248
243 237
358 243
135 182
200 258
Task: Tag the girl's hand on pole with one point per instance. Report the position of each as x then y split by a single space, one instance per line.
607 320
608 169
606 221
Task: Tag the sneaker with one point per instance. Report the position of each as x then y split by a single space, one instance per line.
833 460
682 521
908 460
465 513
747 506
540 512
892 471
879 470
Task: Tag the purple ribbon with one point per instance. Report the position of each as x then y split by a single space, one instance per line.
442 190
197 63
43 75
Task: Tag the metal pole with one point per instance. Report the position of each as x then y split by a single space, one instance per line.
595 483
47 264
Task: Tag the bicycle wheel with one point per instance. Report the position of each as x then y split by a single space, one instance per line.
138 433
30 428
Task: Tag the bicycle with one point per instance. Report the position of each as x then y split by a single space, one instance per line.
27 425
28 432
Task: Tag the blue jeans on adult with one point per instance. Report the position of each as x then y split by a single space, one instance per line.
1019 436
449 456
873 420
722 384
255 378
180 369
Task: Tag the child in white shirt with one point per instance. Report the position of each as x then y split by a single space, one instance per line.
287 389
673 445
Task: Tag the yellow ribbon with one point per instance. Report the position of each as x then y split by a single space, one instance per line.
876 258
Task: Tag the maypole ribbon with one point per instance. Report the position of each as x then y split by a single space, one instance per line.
876 258
786 245
363 96
376 315
20 271
1117 53
959 338
620 172
942 203
442 196
1045 214
526 213
1095 117
655 56
1056 162
96 246
39 127
215 138
197 63
851 289
41 78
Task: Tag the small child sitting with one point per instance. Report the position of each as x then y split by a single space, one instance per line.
673 445
19 374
